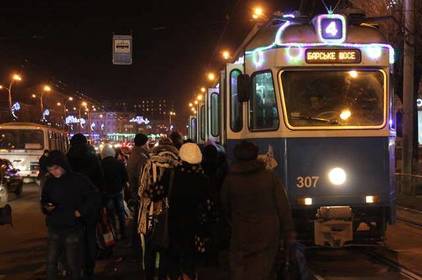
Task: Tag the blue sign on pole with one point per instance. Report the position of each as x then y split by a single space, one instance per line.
122 49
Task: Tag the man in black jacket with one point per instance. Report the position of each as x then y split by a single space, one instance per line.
67 199
116 178
83 159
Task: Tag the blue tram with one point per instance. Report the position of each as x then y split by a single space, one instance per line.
316 97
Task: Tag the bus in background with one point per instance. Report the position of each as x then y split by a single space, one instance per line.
24 143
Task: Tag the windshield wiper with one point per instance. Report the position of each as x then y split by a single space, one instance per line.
315 119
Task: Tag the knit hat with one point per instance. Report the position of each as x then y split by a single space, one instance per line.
107 151
245 151
57 158
190 153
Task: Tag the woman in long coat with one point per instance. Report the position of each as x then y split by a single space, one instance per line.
256 205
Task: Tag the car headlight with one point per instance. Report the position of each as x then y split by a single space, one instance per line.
337 176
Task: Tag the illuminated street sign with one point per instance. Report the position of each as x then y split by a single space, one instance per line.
322 56
331 28
122 49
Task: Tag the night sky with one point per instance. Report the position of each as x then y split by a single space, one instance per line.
68 43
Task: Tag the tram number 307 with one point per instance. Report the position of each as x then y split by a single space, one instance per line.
307 181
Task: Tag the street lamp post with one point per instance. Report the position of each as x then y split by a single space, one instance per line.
15 78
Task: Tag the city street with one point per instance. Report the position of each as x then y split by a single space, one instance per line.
23 249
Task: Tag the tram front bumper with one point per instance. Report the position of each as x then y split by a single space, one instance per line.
333 226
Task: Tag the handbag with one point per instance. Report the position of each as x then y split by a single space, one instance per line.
160 228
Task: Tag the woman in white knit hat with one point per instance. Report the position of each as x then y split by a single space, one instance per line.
190 187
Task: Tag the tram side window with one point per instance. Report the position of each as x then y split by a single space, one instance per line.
193 129
263 112
202 118
214 114
236 112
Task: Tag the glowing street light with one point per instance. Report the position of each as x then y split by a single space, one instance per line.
190 104
199 97
203 89
211 76
34 96
84 104
196 102
225 54
17 77
47 88
59 104
70 98
258 12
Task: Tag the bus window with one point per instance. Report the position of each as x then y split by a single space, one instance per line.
202 119
236 118
263 113
215 114
21 139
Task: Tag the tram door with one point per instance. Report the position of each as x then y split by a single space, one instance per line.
212 102
235 111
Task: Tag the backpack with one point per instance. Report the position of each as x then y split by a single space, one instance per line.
6 215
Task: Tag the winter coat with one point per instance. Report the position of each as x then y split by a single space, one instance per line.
115 175
70 192
256 205
135 164
83 159
190 187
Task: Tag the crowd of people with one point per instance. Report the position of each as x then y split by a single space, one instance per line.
180 206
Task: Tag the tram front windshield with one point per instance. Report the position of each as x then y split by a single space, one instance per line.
21 139
350 98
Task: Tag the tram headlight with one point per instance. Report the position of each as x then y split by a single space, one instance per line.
337 176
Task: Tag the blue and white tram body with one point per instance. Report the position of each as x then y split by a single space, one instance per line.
320 110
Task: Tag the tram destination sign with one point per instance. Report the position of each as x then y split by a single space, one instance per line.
340 56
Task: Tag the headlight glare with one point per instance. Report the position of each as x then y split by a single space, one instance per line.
337 176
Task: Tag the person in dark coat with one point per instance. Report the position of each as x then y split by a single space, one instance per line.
84 160
255 203
116 178
66 200
43 172
189 188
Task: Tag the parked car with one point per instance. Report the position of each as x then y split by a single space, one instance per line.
10 177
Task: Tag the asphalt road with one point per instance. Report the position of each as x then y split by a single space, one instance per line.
23 250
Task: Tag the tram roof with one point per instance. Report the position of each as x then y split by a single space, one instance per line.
306 33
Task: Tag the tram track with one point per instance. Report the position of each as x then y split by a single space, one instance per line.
405 272
374 256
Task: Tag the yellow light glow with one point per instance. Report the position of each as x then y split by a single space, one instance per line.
353 74
199 97
59 104
84 104
17 77
1 86
337 176
345 114
190 104
211 76
196 102
258 12
70 98
203 89
47 88
33 96
225 54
